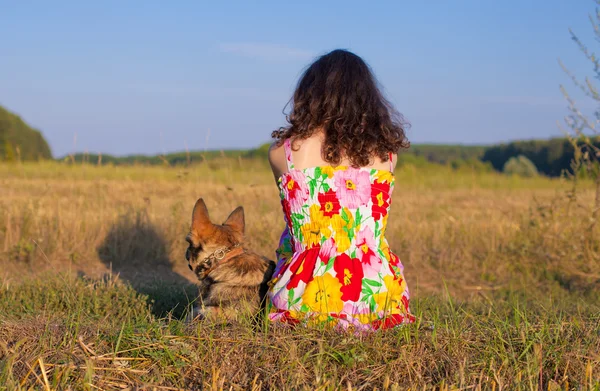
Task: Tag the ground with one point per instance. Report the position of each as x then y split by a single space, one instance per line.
503 271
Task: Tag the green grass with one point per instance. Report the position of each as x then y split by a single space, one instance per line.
216 171
104 335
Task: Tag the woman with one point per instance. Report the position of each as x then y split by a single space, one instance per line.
334 167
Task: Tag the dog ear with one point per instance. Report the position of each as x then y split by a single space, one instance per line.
236 220
200 219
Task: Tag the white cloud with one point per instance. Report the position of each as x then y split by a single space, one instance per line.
266 51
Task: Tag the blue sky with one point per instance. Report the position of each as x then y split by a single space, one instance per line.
156 76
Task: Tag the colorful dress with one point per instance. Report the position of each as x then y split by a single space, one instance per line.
334 264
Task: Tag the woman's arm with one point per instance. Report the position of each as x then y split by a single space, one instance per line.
277 160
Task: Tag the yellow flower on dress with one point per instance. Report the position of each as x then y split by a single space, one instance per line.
385 249
295 314
341 228
317 227
317 216
310 234
390 300
384 221
323 295
367 318
384 176
327 170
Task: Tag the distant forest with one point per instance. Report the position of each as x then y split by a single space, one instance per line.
18 141
551 157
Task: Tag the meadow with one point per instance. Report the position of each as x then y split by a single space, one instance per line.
504 275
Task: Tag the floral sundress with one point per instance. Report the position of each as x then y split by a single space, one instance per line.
334 264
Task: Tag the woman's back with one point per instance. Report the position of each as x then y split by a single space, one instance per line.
308 153
334 168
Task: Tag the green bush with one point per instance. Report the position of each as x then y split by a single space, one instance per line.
521 166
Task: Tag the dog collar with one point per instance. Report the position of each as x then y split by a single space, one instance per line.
220 253
212 259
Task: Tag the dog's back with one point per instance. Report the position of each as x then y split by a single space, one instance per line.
233 280
244 277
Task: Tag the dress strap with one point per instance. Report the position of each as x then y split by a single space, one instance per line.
287 146
391 162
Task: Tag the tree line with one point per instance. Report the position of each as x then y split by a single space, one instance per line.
19 141
550 157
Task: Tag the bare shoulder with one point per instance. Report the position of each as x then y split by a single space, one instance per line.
277 159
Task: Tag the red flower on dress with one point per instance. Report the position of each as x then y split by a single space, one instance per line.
395 266
330 205
380 195
388 322
287 211
303 267
338 316
287 318
394 260
349 273
404 302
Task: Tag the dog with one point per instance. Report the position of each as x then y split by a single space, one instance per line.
233 280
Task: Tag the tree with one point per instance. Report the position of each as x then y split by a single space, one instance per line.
20 141
521 166
582 131
9 154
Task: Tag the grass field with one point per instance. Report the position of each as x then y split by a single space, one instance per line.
504 274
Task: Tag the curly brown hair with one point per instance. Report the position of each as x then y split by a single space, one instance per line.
339 94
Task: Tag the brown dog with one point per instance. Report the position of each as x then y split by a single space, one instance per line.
233 280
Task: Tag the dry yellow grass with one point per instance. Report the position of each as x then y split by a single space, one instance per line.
491 242
469 231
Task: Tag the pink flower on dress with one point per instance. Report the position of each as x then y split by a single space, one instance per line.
353 187
365 241
328 250
295 189
353 308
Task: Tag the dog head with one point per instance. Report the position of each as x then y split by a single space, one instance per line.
205 238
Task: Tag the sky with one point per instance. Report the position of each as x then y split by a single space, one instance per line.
125 77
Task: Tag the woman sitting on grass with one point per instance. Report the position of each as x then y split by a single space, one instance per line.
334 167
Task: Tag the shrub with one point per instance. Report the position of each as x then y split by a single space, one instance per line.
521 166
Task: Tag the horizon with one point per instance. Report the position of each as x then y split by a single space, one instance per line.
213 150
127 79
